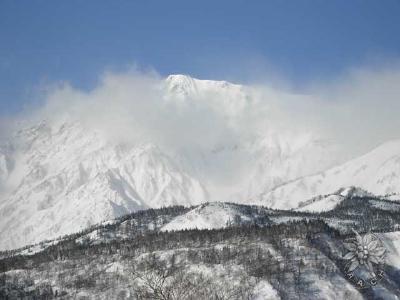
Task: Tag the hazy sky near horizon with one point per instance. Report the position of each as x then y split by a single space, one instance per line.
296 43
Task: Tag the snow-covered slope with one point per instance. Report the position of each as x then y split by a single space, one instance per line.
207 216
328 202
283 158
378 172
66 178
321 203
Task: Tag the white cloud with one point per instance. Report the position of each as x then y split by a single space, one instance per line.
359 110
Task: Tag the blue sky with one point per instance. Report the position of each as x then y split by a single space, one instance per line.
300 41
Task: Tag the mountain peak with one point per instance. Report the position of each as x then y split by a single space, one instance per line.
179 78
182 85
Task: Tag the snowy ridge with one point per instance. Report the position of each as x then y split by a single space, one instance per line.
67 178
281 159
378 172
207 216
328 202
320 203
235 96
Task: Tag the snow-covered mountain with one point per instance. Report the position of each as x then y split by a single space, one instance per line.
377 172
58 177
66 178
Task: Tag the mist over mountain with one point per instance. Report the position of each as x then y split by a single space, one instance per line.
141 141
190 150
